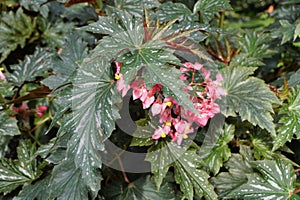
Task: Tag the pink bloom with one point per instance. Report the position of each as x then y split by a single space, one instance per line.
191 67
118 65
121 87
22 111
2 76
42 108
161 132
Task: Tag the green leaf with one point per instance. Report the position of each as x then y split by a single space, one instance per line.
136 7
36 6
66 182
15 28
254 49
66 63
54 33
214 150
170 11
8 125
32 67
187 166
4 141
140 189
286 31
247 96
188 173
93 118
208 8
295 79
297 31
275 182
238 166
262 144
158 156
39 190
24 170
290 120
6 90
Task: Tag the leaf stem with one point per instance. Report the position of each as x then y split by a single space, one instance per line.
123 170
296 191
297 170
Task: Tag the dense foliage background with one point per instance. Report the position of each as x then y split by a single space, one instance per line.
61 98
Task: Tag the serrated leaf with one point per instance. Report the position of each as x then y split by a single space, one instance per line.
136 7
158 156
93 119
189 175
39 190
290 121
214 151
33 66
66 182
208 8
254 49
36 6
169 11
286 31
67 62
15 28
247 96
54 33
275 182
262 144
8 125
295 79
238 166
16 173
141 189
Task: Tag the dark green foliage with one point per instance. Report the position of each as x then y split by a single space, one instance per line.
60 107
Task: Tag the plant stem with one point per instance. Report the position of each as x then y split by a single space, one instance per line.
123 171
297 170
296 191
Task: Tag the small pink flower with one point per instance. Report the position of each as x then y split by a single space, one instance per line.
121 87
161 132
2 76
40 109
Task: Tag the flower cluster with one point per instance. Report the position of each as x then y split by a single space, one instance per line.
24 112
176 121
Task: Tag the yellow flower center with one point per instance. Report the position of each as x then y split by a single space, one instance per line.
185 136
1 68
168 123
117 76
169 103
163 135
187 128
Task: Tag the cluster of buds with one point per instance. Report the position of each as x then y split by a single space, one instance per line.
24 112
176 121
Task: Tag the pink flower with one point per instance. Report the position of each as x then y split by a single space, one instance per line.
22 111
140 92
40 109
191 67
161 132
2 76
121 87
